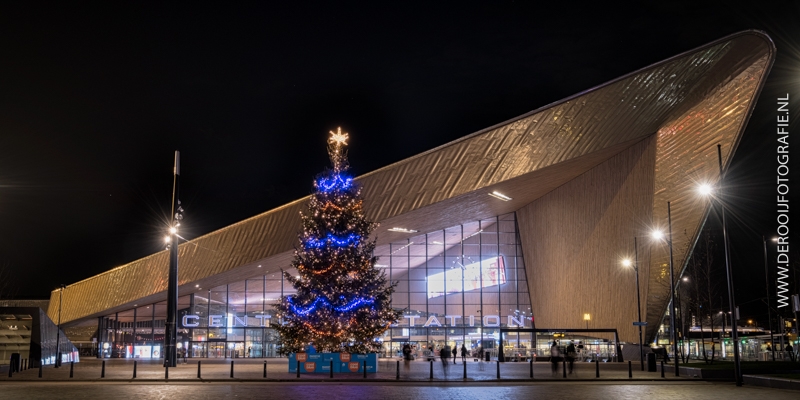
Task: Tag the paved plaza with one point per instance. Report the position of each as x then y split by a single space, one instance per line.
383 390
414 383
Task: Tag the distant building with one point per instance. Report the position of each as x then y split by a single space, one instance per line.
28 332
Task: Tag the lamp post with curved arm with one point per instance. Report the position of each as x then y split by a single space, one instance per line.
635 265
660 236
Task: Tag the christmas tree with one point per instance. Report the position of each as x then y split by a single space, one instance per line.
341 299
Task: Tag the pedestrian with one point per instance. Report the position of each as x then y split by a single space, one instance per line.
790 350
407 358
444 353
555 357
249 348
571 354
463 354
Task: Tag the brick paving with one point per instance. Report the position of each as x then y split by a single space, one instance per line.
415 383
389 391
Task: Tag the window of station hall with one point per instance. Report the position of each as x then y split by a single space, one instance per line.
458 285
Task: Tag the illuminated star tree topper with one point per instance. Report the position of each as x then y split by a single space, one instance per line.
342 303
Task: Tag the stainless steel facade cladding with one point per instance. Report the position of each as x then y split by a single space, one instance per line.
689 102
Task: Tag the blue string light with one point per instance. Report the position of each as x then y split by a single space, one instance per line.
355 303
334 240
334 182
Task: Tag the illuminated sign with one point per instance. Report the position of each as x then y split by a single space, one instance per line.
450 320
489 272
216 321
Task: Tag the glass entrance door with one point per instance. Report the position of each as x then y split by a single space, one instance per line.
216 349
198 349
236 349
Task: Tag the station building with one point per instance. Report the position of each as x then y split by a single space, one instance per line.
520 225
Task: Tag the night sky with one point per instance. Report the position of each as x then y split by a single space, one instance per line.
95 98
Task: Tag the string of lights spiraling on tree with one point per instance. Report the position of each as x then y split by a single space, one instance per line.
329 184
351 305
333 240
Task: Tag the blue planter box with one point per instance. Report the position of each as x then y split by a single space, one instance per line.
321 363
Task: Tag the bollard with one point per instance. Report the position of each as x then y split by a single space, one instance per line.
630 371
465 370
265 368
331 369
40 369
531 367
134 370
198 369
662 368
564 365
431 377
10 369
166 371
365 369
498 369
103 370
71 368
298 368
596 367
396 377
231 368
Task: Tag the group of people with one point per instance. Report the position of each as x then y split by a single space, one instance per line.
559 353
445 353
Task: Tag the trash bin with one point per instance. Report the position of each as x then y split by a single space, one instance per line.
651 362
488 356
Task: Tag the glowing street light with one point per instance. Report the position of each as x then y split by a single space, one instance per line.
705 189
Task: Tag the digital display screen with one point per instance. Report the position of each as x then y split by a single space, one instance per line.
489 272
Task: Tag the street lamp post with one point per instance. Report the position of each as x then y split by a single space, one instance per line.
638 298
722 336
769 311
58 331
659 235
731 297
171 326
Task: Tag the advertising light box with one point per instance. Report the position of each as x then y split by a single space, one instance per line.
488 272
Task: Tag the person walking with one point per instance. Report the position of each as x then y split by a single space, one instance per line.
407 358
463 354
444 353
571 354
555 357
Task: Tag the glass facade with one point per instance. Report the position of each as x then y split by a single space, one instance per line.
458 286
